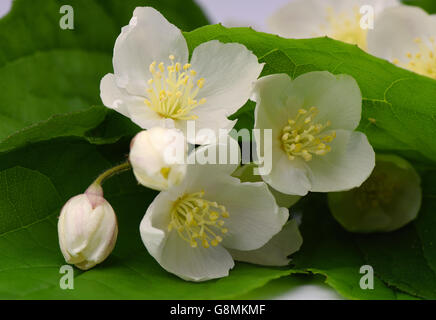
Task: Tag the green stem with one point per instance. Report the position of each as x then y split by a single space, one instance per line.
111 172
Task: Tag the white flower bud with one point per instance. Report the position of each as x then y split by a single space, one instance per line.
87 229
157 157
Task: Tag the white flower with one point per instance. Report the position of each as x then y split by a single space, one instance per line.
387 201
314 145
189 228
275 252
157 157
87 229
406 36
338 19
155 85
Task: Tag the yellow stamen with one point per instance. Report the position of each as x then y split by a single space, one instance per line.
165 172
301 137
198 221
345 27
172 91
424 61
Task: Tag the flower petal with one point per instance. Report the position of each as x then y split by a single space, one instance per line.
208 124
348 165
128 105
210 161
288 176
309 18
254 215
396 30
229 70
276 251
337 98
102 241
300 19
273 93
276 102
175 255
195 264
148 37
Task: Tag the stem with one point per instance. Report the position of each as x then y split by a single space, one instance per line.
111 172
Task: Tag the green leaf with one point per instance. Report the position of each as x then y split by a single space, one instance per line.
393 119
428 5
96 124
403 260
45 70
37 180
330 251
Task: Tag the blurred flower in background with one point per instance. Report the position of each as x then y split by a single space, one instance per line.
338 19
406 36
5 6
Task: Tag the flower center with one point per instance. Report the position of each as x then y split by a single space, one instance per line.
197 220
424 61
172 90
346 28
303 137
377 190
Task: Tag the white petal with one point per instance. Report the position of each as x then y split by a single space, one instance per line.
77 234
309 18
396 30
380 5
276 251
207 162
154 225
174 254
148 37
276 103
337 97
229 70
273 93
195 264
348 165
270 114
254 215
102 241
128 105
299 19
286 176
209 121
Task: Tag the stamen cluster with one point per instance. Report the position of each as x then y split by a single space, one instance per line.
171 91
198 221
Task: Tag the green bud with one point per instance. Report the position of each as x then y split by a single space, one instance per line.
388 200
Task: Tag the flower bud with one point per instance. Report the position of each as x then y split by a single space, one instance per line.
157 157
387 201
87 229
